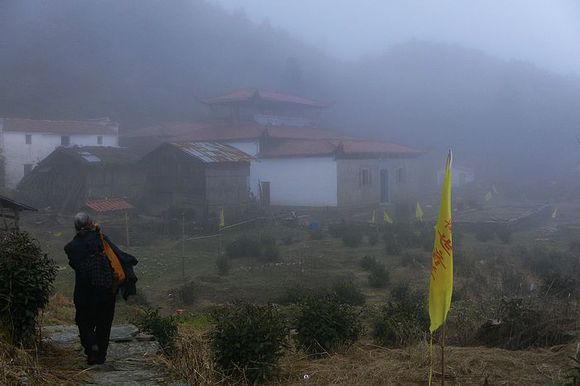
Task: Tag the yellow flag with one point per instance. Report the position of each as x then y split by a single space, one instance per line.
222 219
418 212
386 218
555 213
441 286
374 218
488 196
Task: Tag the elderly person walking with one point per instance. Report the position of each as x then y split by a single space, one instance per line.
99 275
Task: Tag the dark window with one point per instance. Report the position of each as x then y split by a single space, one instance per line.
28 139
64 140
27 168
401 176
100 140
365 177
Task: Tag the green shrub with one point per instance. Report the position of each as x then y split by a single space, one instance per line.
337 230
223 265
270 253
244 246
325 325
484 233
248 340
347 292
392 246
378 276
373 238
26 277
164 329
427 238
504 234
521 323
316 235
368 262
352 237
187 293
403 320
263 247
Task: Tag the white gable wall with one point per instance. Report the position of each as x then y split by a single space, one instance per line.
249 147
18 153
307 181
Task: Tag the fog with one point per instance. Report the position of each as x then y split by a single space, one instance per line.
496 81
541 31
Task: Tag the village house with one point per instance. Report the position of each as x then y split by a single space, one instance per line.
203 177
298 164
25 142
71 177
295 163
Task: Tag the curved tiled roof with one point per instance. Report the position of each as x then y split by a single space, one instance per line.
252 94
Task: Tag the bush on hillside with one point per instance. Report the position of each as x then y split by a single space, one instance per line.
378 276
373 238
26 277
187 293
520 324
392 246
163 328
244 246
324 325
403 320
352 237
248 340
263 247
347 292
223 265
504 234
367 262
484 233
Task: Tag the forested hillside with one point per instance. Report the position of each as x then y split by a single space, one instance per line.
141 61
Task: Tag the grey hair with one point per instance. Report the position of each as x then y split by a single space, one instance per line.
82 221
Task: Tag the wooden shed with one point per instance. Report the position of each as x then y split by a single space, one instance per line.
10 213
71 176
199 176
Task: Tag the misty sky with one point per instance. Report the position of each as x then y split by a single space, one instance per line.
546 32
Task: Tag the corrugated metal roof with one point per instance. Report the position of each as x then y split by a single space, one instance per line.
101 155
213 152
108 205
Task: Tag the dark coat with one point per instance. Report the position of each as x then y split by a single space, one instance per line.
94 282
129 287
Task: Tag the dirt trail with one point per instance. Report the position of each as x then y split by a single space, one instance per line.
127 360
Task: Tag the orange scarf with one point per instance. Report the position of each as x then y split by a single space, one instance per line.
118 271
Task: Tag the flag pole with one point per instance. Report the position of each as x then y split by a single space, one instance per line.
443 333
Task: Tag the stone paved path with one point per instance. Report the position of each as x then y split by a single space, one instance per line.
127 360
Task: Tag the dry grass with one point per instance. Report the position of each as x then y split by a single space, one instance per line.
365 364
46 365
192 361
60 310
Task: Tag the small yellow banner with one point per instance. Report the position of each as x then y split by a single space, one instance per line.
418 212
386 218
